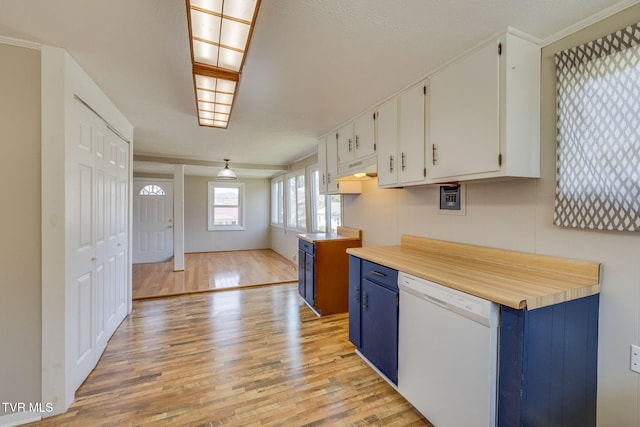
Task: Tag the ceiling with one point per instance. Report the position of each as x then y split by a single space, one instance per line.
311 65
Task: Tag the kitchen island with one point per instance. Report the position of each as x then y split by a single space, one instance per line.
323 269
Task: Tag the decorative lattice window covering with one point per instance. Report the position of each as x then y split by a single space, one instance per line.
598 152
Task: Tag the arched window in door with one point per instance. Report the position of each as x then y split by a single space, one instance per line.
151 190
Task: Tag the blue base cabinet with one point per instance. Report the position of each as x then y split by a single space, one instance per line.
307 271
548 365
373 314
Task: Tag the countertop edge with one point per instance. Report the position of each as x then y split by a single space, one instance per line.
323 237
520 300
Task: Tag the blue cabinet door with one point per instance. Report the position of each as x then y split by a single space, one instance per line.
380 327
354 300
301 273
310 279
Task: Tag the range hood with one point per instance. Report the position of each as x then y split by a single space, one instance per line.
359 169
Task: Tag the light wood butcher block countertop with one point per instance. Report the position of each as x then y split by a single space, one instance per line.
344 233
514 279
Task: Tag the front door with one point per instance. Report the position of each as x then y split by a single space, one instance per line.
152 221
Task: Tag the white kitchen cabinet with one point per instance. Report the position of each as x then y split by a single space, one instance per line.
356 142
484 113
328 169
328 164
387 143
411 135
401 123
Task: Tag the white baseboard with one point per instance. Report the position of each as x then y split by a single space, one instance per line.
19 418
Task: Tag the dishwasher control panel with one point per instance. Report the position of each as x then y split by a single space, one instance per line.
471 306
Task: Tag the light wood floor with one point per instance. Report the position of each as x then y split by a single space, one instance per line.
211 271
249 357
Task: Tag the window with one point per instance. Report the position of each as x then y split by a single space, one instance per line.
277 201
598 153
326 209
151 190
226 202
296 208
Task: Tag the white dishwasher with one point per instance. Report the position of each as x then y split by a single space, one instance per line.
447 353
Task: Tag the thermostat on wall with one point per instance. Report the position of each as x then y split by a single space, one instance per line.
452 199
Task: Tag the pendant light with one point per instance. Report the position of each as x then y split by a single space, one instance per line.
226 174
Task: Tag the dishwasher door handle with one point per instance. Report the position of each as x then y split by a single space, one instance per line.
435 301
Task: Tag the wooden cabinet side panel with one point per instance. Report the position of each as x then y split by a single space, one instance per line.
354 300
332 276
510 356
548 365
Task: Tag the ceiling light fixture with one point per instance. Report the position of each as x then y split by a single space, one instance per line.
219 35
226 174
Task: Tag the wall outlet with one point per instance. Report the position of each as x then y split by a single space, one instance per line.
635 358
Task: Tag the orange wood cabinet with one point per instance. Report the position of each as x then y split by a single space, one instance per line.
328 270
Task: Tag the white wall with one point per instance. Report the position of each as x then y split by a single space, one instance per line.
20 272
517 215
256 231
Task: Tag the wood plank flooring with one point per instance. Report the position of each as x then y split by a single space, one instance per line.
249 357
212 271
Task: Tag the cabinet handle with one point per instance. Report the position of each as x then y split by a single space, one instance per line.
349 144
365 301
328 178
377 273
357 141
390 164
433 153
323 179
404 163
356 294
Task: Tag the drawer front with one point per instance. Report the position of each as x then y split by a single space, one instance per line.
380 274
307 247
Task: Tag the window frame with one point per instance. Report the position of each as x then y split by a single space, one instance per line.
278 202
298 226
212 185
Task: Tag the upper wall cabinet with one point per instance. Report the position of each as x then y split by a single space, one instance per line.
328 164
401 124
328 169
356 143
485 113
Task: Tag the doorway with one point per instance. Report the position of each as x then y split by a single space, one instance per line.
152 220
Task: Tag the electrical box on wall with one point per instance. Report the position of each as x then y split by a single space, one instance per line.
452 199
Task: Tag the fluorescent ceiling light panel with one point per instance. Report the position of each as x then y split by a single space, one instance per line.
220 32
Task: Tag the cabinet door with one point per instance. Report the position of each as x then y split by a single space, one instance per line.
354 300
412 135
364 135
332 164
310 279
322 165
464 115
346 149
380 328
387 143
301 272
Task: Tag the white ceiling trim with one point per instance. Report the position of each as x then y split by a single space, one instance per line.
20 43
605 13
